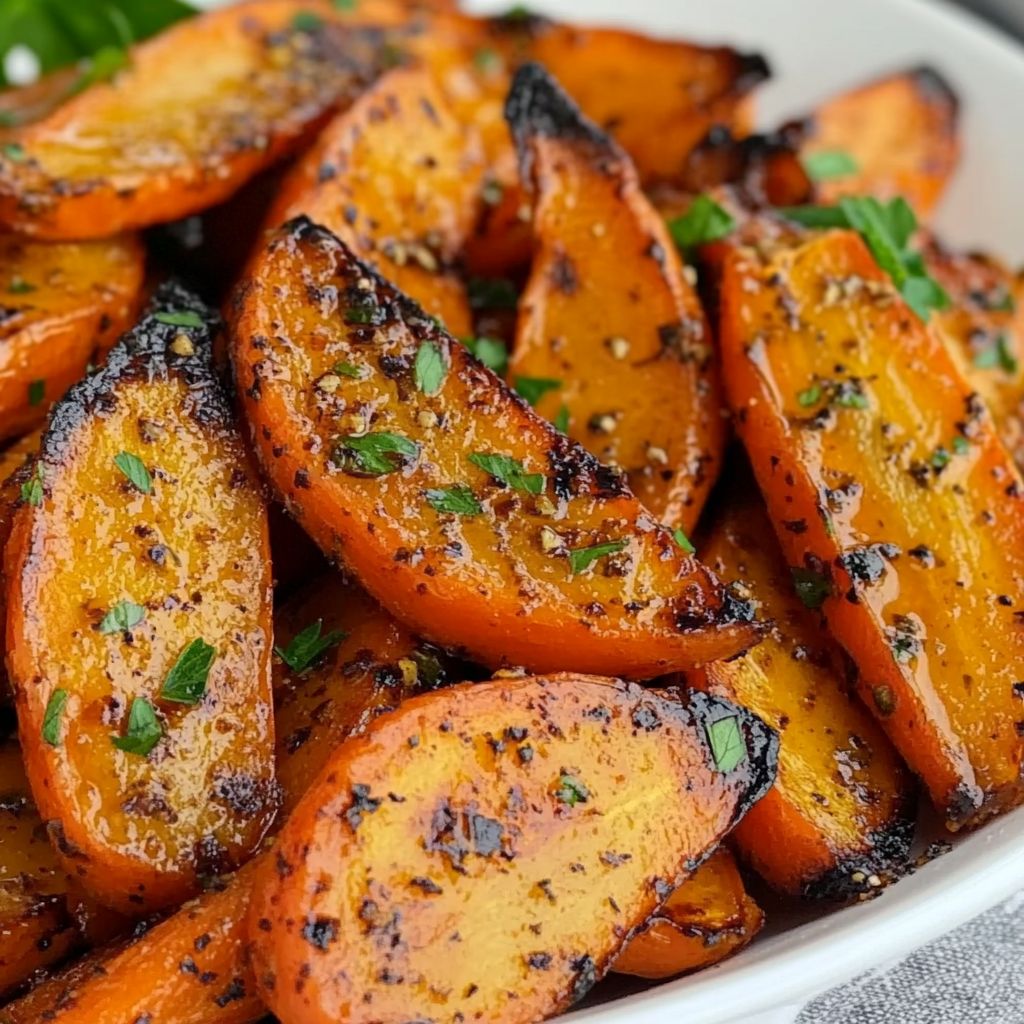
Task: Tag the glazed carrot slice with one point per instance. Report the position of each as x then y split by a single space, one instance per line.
611 339
898 135
397 178
59 305
708 918
138 626
839 820
858 423
463 512
574 804
199 111
984 332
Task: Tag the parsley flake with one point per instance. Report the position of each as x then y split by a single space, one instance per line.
961 445
14 152
561 421
36 392
19 286
349 370
186 318
374 454
186 682
509 471
571 791
582 558
998 355
726 741
52 717
809 397
307 21
135 469
829 164
684 542
533 389
306 647
144 729
429 369
812 589
457 500
492 352
124 615
704 222
32 489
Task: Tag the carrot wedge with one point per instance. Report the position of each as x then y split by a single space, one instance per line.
463 512
574 804
59 305
896 136
840 818
858 424
138 623
200 110
397 178
708 918
611 337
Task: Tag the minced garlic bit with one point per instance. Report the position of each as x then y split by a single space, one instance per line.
658 455
618 347
182 345
409 670
424 257
690 275
597 230
426 418
550 540
354 423
605 423
329 382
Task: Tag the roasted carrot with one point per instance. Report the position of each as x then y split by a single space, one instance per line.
59 305
574 804
397 178
611 338
897 136
412 463
858 424
138 626
200 109
839 820
708 918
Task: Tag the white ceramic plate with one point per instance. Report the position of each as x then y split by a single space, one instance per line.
818 47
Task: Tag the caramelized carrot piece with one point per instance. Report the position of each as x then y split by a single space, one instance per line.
708 918
984 332
574 804
199 111
858 423
59 305
138 626
397 178
841 811
490 530
901 133
608 326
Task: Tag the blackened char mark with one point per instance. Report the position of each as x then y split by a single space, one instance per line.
577 473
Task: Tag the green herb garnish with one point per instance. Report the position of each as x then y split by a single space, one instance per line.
458 500
307 21
144 730
704 222
135 469
186 318
492 352
533 389
999 355
307 646
32 489
941 458
571 791
101 67
727 746
429 369
684 542
349 370
345 5
124 615
812 589
52 717
850 399
36 392
829 164
375 453
583 558
561 421
19 286
15 152
186 682
961 445
509 471
492 293
809 397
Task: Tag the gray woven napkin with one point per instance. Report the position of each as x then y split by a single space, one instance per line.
974 975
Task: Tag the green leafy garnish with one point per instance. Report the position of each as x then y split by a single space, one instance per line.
961 445
809 397
186 318
144 730
583 558
36 392
52 717
704 222
459 500
571 791
492 293
850 399
307 21
19 286
509 471
135 469
684 542
533 389
727 746
307 646
561 421
999 355
492 352
828 164
344 5
101 67
812 589
349 370
186 682
14 151
32 489
429 369
124 615
374 453
941 458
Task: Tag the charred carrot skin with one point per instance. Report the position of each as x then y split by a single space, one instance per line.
143 504
839 820
459 792
156 152
607 321
857 422
474 497
708 918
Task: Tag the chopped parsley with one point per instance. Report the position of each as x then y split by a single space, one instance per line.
124 615
812 588
492 352
533 389
374 454
349 370
457 500
429 369
186 318
727 746
704 222
144 729
999 354
509 471
307 21
134 468
19 286
345 5
809 397
829 164
52 717
186 682
961 445
306 647
941 458
36 392
101 67
14 152
684 542
32 489
582 558
561 421
571 791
